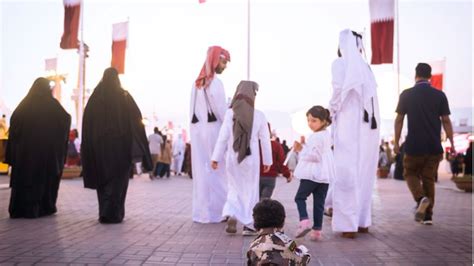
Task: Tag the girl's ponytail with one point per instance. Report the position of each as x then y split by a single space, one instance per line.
328 119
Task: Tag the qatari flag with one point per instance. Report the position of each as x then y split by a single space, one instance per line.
72 13
119 44
381 28
437 73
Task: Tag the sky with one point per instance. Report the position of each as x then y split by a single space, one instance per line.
293 44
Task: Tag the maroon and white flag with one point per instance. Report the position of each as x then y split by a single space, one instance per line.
50 64
382 13
437 73
119 44
72 13
202 1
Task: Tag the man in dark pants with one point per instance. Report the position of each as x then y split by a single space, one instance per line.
427 108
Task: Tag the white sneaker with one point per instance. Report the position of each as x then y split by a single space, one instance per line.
420 211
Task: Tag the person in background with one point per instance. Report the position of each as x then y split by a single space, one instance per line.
468 161
398 173
155 141
285 147
178 155
389 153
164 160
73 149
3 127
187 168
268 179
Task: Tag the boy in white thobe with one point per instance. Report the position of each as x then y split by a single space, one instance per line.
240 134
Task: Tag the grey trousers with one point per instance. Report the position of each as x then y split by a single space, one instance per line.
267 184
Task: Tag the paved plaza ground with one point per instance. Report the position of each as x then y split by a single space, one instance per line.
158 230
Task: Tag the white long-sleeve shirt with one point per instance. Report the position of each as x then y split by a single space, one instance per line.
316 162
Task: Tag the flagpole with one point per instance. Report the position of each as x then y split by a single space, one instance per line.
248 39
398 48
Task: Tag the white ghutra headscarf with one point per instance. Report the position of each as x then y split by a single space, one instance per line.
358 75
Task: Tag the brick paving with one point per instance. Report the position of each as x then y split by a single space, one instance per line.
158 230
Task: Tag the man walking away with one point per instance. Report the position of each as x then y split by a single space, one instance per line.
426 108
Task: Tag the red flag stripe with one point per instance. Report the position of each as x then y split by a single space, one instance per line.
382 13
382 42
437 73
119 45
118 55
437 81
72 12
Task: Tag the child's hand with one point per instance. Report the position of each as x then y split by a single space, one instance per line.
288 179
214 165
297 147
266 168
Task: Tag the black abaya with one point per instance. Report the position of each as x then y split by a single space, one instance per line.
36 151
112 135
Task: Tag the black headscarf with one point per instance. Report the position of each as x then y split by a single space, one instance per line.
112 133
37 144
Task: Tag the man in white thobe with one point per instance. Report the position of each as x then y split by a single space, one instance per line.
243 129
178 154
208 107
354 107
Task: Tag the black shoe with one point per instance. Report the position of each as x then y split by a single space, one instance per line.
428 220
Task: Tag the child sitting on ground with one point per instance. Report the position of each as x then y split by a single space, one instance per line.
272 246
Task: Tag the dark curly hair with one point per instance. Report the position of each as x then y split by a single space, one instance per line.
268 213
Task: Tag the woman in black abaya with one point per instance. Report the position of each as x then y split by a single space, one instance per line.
36 151
113 136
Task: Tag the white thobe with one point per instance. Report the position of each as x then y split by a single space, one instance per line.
178 155
155 141
209 186
243 177
355 155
